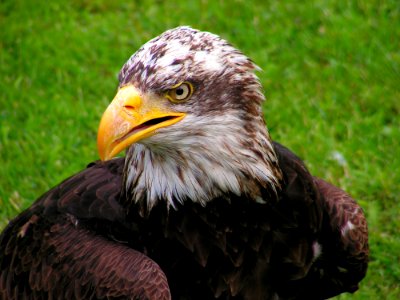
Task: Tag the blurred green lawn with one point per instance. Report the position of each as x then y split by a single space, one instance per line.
331 73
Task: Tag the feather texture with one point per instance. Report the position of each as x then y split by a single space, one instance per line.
206 208
69 247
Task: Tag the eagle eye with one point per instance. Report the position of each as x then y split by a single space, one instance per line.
180 92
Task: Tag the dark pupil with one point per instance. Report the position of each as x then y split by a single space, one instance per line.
179 91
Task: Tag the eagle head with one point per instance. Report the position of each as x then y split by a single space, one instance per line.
188 111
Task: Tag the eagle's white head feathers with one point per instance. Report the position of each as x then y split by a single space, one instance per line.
222 145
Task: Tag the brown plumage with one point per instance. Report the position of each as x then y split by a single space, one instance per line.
204 206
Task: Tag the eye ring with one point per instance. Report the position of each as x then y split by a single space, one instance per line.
180 92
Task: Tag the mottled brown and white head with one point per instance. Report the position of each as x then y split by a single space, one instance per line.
189 111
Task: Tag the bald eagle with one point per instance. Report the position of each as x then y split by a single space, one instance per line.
203 206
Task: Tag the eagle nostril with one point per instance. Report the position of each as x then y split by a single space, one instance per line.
130 109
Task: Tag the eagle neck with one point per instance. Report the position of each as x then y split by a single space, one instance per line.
201 171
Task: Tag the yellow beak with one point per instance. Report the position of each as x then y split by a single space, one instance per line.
130 118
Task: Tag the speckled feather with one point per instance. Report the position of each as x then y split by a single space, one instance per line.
208 208
222 145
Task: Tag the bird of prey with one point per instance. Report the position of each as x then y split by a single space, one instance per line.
203 206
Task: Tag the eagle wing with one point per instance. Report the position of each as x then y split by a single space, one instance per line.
48 252
344 242
341 252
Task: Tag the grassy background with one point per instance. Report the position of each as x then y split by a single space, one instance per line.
331 76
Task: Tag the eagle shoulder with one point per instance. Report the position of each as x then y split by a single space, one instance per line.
53 250
344 241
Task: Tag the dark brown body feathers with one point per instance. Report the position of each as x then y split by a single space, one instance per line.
80 241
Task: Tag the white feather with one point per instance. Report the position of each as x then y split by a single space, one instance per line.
221 169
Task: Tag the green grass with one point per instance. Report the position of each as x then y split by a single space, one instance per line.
331 76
